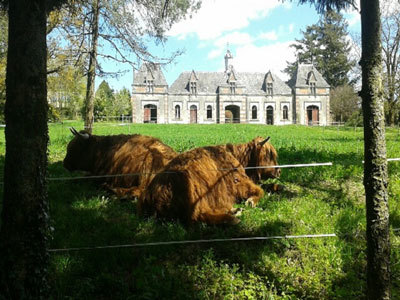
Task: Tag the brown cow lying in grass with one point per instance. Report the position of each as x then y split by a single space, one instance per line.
258 152
118 154
200 185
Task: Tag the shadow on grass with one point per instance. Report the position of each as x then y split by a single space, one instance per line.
85 215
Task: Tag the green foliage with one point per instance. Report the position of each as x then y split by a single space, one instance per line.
104 100
326 46
122 103
315 200
344 101
53 114
66 92
111 104
355 119
329 5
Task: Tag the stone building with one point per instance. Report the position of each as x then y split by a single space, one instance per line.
230 96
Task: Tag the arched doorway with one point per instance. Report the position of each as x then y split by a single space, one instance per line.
270 115
150 113
193 114
234 112
312 115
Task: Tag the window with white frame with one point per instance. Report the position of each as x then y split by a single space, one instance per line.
209 112
285 112
254 112
177 112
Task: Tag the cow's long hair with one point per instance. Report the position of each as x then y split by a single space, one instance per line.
256 153
118 155
199 185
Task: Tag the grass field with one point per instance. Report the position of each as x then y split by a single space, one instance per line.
315 200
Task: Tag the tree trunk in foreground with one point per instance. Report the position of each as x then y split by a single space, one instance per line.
375 168
24 230
89 101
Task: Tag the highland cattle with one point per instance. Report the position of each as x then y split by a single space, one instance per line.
255 156
200 185
127 162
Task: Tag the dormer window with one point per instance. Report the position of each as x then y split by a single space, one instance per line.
192 83
232 86
313 90
311 80
269 88
269 84
193 87
150 85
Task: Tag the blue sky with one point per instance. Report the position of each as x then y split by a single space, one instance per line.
258 32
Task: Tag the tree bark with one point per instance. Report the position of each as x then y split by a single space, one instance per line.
375 168
89 102
24 233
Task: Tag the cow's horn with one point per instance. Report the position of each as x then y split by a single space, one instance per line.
73 130
85 136
264 141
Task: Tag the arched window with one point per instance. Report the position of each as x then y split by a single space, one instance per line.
177 112
285 112
254 112
270 115
209 112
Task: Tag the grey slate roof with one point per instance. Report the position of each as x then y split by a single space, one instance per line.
208 82
147 70
301 76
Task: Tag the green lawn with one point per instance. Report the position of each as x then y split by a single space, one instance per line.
316 200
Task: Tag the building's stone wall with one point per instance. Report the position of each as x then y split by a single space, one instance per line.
243 99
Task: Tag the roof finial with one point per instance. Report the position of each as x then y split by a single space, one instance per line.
228 58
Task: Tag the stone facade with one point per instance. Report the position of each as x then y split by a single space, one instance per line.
230 96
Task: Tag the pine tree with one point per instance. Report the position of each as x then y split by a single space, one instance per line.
324 44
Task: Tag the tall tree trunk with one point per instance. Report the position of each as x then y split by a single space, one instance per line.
375 168
24 233
89 102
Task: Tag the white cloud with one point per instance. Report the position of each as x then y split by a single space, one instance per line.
270 36
218 16
234 38
250 58
215 53
353 18
291 27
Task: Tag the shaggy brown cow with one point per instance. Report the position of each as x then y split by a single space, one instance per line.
118 154
256 153
199 185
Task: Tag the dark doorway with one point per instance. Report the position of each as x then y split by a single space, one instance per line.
233 111
312 115
193 114
150 113
270 115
